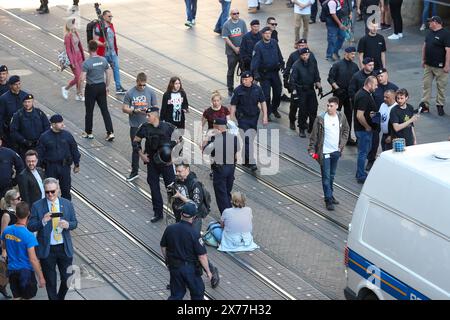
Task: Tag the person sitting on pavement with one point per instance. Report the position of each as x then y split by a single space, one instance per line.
237 226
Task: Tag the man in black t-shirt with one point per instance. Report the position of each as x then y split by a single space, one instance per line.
436 64
366 8
373 45
365 109
402 119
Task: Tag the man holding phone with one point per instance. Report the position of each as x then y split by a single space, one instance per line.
53 218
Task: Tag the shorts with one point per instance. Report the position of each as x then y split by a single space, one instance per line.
27 291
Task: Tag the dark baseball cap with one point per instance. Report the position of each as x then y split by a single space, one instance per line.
189 209
304 50
435 19
56 118
152 109
265 29
254 22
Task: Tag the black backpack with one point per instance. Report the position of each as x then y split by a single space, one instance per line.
325 12
90 29
205 207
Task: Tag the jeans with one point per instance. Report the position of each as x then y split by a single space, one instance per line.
335 38
191 9
271 80
328 169
96 93
396 13
223 15
56 257
426 10
113 60
364 145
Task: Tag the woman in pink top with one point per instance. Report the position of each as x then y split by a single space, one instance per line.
75 53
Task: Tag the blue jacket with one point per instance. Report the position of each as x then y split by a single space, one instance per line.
58 146
38 211
248 43
9 104
28 126
267 57
8 160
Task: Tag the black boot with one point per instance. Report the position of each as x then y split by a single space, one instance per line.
292 125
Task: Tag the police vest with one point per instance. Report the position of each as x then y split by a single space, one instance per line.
247 102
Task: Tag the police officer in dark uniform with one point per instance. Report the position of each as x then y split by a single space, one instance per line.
224 147
267 61
3 79
185 255
358 79
339 78
27 125
57 151
246 103
293 57
249 40
156 155
9 162
304 78
10 103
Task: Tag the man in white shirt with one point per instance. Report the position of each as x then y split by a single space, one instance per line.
327 141
302 13
385 110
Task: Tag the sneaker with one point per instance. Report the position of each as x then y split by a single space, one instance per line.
422 27
385 26
156 219
65 93
133 176
252 167
268 2
79 97
110 136
40 7
218 31
334 201
400 35
330 206
276 114
394 37
188 24
440 110
302 133
215 279
44 10
87 135
193 22
312 21
121 90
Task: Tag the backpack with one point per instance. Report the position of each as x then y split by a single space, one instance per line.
325 12
213 234
205 208
90 29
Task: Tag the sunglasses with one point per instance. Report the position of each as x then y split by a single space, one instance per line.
235 13
141 85
18 198
273 24
50 191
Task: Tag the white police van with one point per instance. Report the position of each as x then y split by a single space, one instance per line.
399 239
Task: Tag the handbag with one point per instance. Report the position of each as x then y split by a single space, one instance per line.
63 59
213 234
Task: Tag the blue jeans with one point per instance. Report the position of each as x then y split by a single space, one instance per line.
191 9
364 146
328 169
336 37
426 10
113 60
223 16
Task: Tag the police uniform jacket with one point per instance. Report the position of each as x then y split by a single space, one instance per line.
28 126
293 57
248 43
4 88
246 100
342 72
9 160
304 75
155 137
183 244
378 94
267 57
58 147
357 82
10 103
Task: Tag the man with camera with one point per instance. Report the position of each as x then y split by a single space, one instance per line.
157 155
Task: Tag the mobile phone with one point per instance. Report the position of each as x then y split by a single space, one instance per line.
56 215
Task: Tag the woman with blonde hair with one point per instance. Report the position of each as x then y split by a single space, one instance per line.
75 53
237 226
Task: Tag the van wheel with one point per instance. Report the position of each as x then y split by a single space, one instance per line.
369 296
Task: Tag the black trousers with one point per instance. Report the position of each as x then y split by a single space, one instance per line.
396 13
135 153
307 109
232 61
96 93
314 11
56 257
344 102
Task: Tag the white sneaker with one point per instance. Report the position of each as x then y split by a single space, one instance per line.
65 93
268 2
400 35
110 137
79 97
422 27
394 37
193 21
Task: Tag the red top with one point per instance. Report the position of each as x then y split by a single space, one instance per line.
101 50
210 115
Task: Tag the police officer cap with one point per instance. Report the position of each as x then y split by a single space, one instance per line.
13 79
28 97
246 74
3 68
189 209
304 50
435 19
220 121
302 41
350 49
56 118
265 29
367 60
152 109
381 71
254 22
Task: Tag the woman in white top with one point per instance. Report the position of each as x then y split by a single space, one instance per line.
237 226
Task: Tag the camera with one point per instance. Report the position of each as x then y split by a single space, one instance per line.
171 189
97 10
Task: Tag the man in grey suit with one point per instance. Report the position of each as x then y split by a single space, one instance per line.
53 218
31 179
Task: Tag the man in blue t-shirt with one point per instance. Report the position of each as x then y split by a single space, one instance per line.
18 243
